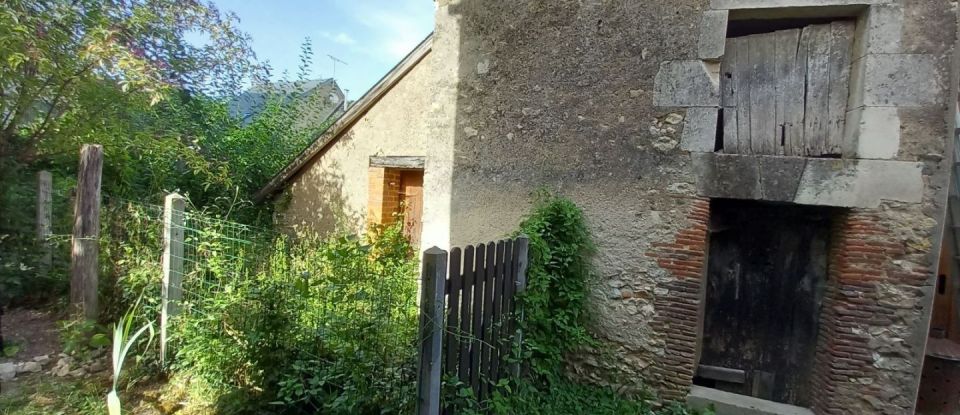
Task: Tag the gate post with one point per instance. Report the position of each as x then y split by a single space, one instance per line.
44 219
171 292
434 278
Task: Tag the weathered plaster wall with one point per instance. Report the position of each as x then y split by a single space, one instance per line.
561 95
330 194
558 95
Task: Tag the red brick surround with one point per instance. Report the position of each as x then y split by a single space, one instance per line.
678 311
846 376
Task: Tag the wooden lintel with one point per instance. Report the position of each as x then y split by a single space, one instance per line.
398 162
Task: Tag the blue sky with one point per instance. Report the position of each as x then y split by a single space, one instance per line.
371 36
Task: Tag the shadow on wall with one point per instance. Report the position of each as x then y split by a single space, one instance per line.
318 201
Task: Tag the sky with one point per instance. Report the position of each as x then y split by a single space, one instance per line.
371 36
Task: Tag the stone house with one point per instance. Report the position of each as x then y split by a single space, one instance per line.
766 181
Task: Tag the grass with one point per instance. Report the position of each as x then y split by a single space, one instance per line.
47 395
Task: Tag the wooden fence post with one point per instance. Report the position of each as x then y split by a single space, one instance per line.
172 292
86 232
434 280
44 219
522 246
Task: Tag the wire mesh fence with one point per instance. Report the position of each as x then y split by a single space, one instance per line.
33 264
239 279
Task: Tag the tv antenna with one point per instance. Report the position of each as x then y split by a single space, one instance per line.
335 62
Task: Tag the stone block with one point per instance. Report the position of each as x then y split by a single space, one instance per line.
764 4
700 129
928 27
737 177
704 170
780 177
713 34
926 132
895 81
686 84
878 30
859 183
8 371
726 403
872 133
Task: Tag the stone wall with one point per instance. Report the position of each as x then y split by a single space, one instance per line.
613 105
559 95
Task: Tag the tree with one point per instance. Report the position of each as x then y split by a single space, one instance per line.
54 53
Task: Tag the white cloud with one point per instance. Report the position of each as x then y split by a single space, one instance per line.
396 27
341 38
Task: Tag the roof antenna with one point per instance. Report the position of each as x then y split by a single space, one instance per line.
335 61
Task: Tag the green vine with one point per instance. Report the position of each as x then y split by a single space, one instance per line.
554 315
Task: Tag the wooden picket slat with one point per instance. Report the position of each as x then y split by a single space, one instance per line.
505 314
500 273
463 369
488 282
477 328
451 339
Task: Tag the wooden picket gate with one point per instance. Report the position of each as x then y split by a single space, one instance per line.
468 317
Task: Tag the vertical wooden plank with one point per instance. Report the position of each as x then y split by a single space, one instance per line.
816 40
44 220
791 70
841 49
171 266
763 131
742 77
489 280
728 97
452 341
520 265
463 369
431 330
503 249
86 232
476 329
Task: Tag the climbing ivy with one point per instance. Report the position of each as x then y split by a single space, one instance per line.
554 314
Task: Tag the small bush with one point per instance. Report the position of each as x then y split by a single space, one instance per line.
321 326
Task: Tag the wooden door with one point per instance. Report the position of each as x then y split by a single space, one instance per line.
411 194
765 278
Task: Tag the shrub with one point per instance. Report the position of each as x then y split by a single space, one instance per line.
320 326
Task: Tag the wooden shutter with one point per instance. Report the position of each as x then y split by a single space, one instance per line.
785 92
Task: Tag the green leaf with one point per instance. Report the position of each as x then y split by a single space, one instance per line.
11 350
99 340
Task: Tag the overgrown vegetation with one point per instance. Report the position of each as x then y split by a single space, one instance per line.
554 325
321 325
134 77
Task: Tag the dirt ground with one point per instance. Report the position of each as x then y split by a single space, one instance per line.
34 331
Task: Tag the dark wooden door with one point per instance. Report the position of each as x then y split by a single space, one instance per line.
767 267
411 194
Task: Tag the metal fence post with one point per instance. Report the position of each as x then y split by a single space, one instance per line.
522 245
44 219
172 292
434 279
86 232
